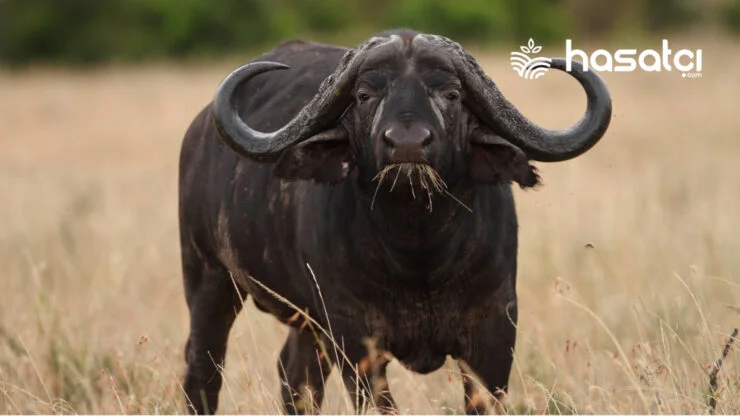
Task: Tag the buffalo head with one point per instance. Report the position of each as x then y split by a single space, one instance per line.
410 101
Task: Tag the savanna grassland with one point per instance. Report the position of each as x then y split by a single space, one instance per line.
629 279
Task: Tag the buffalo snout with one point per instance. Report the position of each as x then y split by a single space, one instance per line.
407 142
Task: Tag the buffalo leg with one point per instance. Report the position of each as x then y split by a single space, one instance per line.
214 302
367 377
302 367
486 373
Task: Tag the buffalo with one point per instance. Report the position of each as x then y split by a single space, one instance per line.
363 198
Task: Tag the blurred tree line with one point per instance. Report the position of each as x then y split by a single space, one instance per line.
95 31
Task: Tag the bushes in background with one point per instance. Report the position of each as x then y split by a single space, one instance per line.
94 31
730 14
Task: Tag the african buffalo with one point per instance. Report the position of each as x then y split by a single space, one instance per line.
362 197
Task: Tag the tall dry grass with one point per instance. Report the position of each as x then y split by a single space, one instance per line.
629 263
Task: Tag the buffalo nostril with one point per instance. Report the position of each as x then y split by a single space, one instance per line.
388 139
427 136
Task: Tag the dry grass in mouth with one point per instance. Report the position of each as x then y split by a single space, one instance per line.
429 181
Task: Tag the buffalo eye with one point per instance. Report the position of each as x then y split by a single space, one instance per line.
363 96
452 95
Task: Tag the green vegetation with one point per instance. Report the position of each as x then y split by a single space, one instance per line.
94 31
730 13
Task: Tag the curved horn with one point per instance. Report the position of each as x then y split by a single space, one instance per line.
331 100
488 104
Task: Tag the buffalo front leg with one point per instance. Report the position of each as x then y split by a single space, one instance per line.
303 366
214 302
486 372
363 368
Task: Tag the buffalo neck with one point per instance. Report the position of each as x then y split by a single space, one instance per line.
414 238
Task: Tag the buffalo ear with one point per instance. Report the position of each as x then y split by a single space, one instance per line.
324 158
496 161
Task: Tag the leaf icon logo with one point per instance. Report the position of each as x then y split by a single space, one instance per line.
529 67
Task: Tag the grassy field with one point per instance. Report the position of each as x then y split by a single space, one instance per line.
629 281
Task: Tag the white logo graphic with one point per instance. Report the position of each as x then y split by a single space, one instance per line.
526 67
687 62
